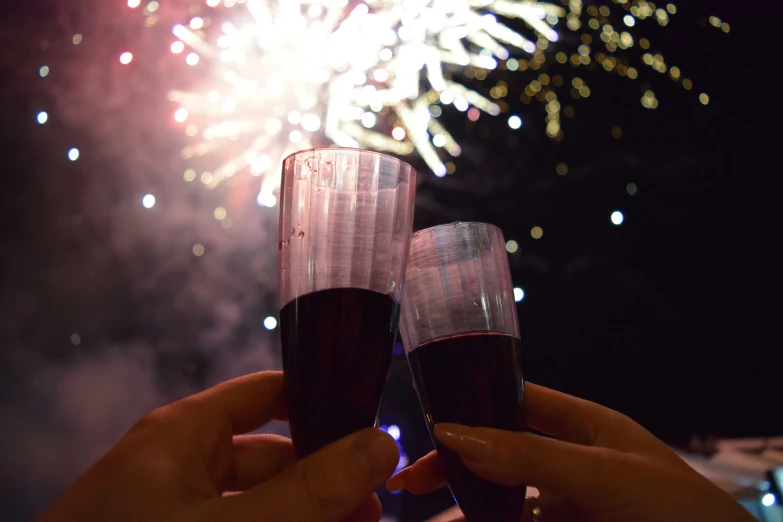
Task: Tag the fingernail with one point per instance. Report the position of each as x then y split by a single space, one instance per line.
463 440
397 482
375 450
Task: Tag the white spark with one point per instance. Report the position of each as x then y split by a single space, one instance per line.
336 69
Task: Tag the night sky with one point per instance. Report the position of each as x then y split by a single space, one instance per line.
670 317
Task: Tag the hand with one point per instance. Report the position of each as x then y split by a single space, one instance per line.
183 462
603 468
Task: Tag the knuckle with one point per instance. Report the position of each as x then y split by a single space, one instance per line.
582 428
587 427
163 418
149 422
618 418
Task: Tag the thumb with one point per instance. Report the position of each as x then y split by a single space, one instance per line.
327 486
577 472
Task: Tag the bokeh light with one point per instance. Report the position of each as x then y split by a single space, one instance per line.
266 200
368 120
270 323
768 500
537 232
394 431
73 154
126 58
515 122
180 115
512 246
198 250
148 201
617 217
519 294
42 117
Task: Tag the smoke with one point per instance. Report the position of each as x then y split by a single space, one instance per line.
108 312
71 413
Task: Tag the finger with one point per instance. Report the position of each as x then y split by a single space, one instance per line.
511 458
583 422
327 486
247 402
563 416
423 476
370 511
256 459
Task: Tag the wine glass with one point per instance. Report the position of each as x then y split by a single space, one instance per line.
345 229
461 335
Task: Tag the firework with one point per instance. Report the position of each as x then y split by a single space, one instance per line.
280 76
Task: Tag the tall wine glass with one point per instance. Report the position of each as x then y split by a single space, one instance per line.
345 229
460 331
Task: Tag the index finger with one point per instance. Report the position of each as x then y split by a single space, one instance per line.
563 416
247 402
423 476
576 420
554 413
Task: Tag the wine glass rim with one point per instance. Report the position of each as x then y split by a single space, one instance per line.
351 149
455 224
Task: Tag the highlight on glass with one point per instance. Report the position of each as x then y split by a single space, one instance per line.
346 219
461 335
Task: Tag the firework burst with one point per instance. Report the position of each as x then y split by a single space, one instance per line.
283 76
280 76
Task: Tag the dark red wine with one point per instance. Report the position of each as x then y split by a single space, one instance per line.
337 347
473 379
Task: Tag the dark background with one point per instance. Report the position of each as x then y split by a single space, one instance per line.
670 318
